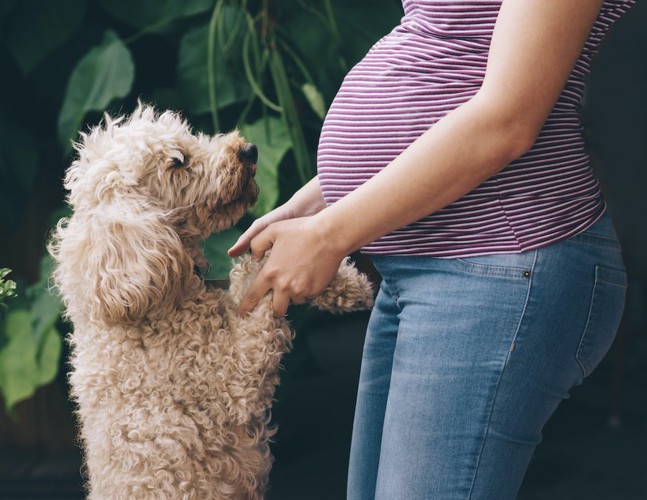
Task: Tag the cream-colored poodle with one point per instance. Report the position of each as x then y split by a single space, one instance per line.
174 389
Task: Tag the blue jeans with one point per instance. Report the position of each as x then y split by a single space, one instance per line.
466 359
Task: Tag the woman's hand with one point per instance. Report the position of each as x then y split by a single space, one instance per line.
307 201
302 262
243 243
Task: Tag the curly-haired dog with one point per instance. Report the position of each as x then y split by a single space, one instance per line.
173 387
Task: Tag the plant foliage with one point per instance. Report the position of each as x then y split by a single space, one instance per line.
267 67
30 344
7 289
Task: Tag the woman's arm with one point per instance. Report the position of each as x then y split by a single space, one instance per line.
534 48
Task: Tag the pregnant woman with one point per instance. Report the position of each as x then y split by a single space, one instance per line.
453 156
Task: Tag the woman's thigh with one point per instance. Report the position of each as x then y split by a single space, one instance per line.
573 313
372 395
486 348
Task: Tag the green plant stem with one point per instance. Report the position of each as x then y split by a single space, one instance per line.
256 88
227 33
330 14
334 29
211 64
298 61
290 114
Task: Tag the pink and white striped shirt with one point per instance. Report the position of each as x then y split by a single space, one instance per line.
432 62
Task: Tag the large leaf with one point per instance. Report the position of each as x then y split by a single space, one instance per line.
291 116
315 99
38 27
273 141
26 364
154 15
31 351
192 75
18 368
7 291
48 356
45 304
45 312
105 73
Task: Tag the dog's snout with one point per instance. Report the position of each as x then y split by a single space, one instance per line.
248 154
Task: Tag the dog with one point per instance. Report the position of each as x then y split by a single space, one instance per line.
173 387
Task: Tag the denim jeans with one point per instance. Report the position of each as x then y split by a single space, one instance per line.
465 360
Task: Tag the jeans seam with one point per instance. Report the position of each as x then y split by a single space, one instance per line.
594 240
476 269
525 307
498 383
578 357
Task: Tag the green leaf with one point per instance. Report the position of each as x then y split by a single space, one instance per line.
192 76
315 99
7 288
273 141
45 268
27 361
154 15
49 356
45 312
45 304
39 27
105 73
291 116
18 367
215 250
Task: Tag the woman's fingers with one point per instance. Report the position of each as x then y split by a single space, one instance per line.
299 266
239 248
245 239
262 242
258 289
259 225
256 292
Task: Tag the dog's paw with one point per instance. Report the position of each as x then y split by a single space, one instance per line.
349 291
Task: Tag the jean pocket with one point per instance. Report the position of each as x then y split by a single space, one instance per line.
605 312
511 266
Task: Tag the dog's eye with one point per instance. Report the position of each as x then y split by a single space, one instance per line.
178 161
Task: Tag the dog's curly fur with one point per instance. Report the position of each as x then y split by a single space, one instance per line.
173 387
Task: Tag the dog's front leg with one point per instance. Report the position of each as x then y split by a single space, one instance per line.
349 291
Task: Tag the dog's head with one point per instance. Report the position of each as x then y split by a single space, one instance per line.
144 190
155 161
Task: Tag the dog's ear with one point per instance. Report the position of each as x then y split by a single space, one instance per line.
119 270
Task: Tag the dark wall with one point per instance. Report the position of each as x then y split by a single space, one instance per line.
616 111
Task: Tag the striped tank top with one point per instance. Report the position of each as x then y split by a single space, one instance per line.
432 62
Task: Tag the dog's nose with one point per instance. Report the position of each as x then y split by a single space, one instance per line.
248 154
